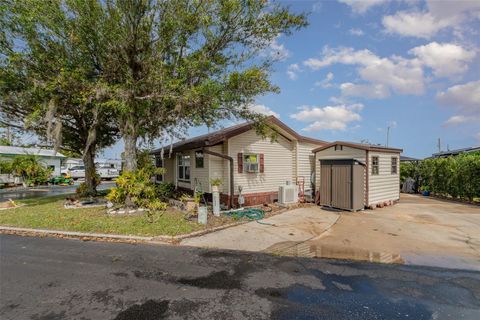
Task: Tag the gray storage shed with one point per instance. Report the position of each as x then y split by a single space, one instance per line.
342 184
352 176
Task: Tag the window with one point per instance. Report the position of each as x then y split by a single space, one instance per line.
251 163
159 164
184 167
394 165
198 159
338 147
375 168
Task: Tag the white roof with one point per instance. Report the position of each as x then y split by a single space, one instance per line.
30 151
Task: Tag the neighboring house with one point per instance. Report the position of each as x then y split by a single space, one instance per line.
353 176
408 159
242 160
48 157
455 152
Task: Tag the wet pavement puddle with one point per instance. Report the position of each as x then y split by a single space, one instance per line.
306 249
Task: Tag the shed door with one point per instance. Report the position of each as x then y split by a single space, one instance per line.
342 186
336 184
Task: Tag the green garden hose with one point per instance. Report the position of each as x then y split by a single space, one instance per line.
249 213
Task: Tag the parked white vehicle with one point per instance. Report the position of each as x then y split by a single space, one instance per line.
77 172
107 170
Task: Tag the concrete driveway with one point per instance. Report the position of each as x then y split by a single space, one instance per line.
418 230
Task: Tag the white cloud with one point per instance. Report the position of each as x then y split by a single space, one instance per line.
439 15
341 55
356 32
277 50
401 75
293 70
445 59
383 75
328 117
363 5
465 99
262 109
415 24
445 9
325 83
455 120
375 91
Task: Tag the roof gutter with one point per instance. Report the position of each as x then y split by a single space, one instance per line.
224 156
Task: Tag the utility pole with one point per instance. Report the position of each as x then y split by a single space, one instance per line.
439 145
388 135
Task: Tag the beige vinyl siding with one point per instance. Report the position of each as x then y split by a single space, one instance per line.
278 162
217 167
384 186
306 162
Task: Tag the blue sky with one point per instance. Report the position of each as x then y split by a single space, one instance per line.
361 66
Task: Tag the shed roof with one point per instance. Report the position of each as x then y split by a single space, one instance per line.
219 136
361 146
8 150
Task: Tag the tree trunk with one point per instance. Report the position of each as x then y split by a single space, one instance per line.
130 138
90 172
130 154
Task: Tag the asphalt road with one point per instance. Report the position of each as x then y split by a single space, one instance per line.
48 278
43 191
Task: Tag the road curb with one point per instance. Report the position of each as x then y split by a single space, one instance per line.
74 234
111 237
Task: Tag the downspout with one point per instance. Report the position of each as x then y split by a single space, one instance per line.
367 168
216 154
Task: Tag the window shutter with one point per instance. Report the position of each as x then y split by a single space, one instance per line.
262 163
240 162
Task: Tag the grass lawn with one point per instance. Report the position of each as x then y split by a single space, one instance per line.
49 213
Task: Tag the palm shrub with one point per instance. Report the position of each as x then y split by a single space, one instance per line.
29 168
139 186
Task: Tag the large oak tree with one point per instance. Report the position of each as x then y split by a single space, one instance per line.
156 67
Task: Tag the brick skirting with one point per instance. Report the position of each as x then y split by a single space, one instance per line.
251 199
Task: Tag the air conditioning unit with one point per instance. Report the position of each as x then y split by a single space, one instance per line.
287 194
252 167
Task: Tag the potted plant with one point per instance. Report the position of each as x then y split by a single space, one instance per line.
215 183
425 190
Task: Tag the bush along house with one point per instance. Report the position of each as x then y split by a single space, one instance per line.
248 165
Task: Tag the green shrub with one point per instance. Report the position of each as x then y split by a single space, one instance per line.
165 190
458 176
139 186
